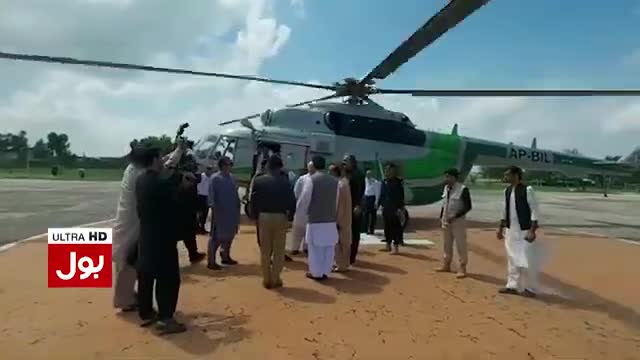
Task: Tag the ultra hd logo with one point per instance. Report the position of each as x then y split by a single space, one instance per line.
79 257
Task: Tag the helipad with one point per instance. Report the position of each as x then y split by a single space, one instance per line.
378 236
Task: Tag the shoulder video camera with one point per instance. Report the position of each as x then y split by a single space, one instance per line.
180 131
187 162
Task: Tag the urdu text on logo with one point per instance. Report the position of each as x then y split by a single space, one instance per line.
79 257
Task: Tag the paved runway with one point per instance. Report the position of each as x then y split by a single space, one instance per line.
29 207
616 216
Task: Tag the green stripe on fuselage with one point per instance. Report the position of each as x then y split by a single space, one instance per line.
443 154
424 177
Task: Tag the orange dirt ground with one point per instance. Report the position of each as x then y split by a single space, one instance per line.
387 307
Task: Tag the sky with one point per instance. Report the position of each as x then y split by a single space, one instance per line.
506 44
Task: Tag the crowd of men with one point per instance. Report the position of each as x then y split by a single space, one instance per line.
327 206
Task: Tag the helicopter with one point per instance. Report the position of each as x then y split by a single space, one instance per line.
373 134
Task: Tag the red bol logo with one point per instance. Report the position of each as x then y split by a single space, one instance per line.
79 257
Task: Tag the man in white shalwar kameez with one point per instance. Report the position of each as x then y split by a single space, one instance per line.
318 202
300 219
520 218
126 230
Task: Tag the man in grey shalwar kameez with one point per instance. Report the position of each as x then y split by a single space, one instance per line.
224 202
318 202
126 230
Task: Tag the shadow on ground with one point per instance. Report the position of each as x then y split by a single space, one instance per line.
205 331
574 297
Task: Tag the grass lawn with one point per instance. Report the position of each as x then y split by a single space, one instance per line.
63 174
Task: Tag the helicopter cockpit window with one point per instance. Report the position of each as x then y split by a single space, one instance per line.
231 148
203 148
225 147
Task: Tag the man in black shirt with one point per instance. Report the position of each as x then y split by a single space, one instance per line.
188 218
273 205
262 170
356 185
157 261
455 206
392 202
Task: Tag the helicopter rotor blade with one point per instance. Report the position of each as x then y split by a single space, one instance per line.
288 106
125 66
314 100
447 18
516 93
238 120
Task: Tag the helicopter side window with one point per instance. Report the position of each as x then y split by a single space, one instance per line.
333 121
400 132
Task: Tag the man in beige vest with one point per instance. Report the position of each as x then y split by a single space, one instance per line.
455 206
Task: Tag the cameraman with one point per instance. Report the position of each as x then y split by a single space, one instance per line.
157 261
187 201
126 230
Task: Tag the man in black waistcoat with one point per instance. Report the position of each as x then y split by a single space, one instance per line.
356 185
520 218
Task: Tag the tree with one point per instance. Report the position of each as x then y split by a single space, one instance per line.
59 145
40 150
13 142
164 143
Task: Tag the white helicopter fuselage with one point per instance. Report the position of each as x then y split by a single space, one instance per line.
321 129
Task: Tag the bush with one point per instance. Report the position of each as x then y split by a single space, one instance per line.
55 170
81 173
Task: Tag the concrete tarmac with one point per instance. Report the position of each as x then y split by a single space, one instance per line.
29 207
616 216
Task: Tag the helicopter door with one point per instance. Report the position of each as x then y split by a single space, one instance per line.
323 143
294 156
239 150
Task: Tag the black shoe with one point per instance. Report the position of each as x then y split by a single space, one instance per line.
197 257
310 276
149 319
528 293
508 291
288 258
129 308
214 266
229 261
170 326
